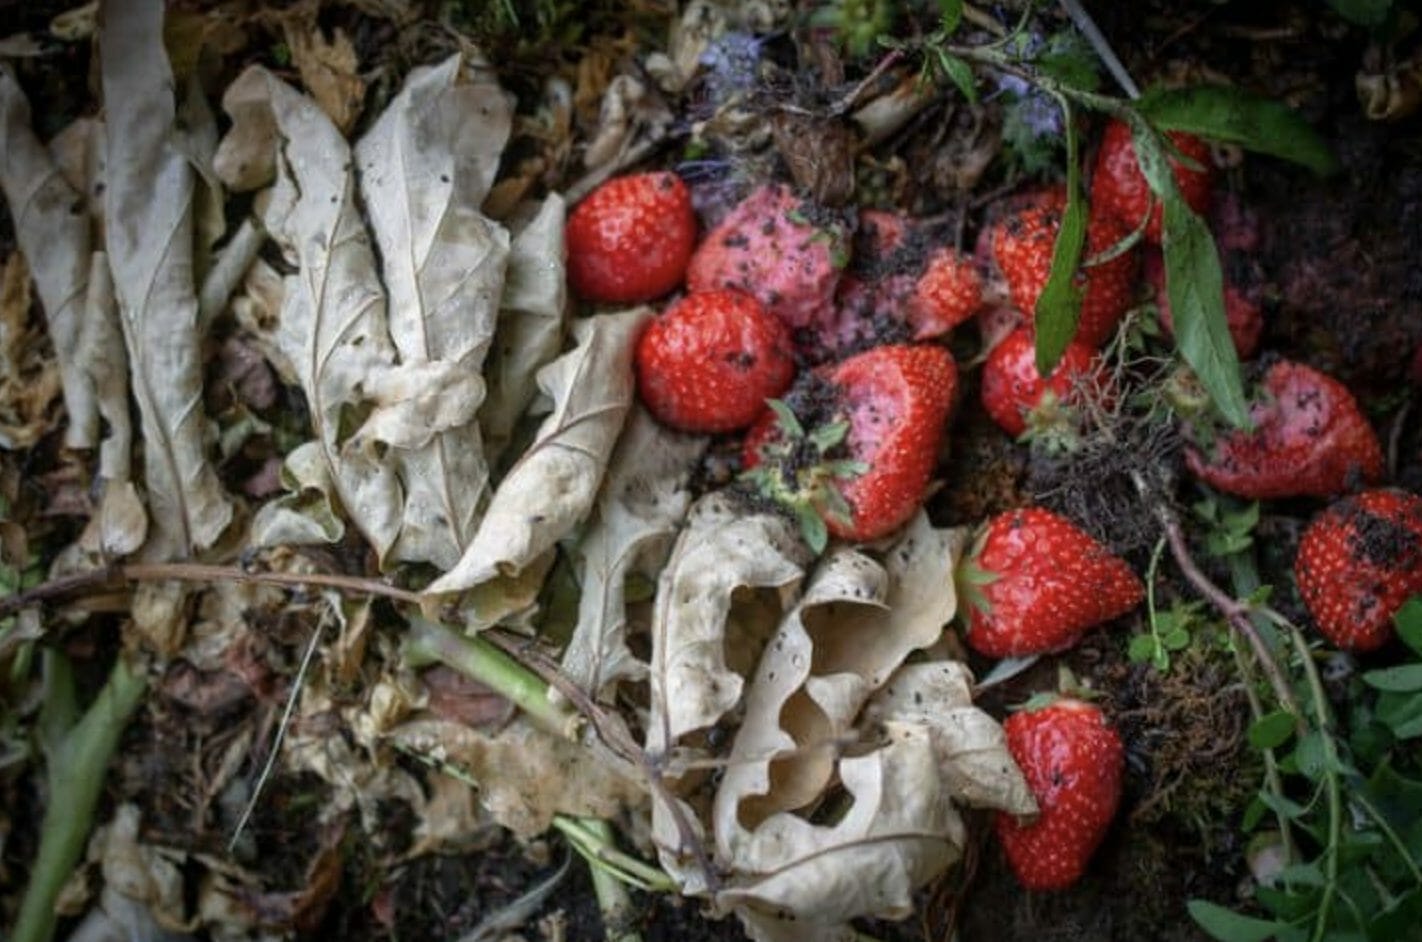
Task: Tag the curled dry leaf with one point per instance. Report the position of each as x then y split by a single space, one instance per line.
642 502
149 232
550 489
29 379
144 874
328 67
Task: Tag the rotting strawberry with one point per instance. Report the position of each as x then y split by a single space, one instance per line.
1309 439
949 292
786 252
1022 242
1017 397
1243 314
1073 762
711 360
1035 583
1119 188
1358 561
851 450
630 240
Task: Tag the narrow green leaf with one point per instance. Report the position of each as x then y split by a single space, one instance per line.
785 418
813 529
1372 13
1281 805
950 13
1406 678
1229 926
1303 874
1409 623
1401 713
1195 285
827 436
1059 304
1236 116
960 74
1271 730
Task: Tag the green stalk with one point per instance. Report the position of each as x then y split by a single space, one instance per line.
602 853
78 754
428 643
618 913
1330 769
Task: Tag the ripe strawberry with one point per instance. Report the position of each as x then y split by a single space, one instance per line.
855 448
1242 312
1022 243
631 239
1035 583
1310 439
784 251
710 361
1073 762
1358 562
1119 188
1013 391
949 291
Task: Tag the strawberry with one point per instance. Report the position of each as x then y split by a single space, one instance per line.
1358 562
1073 762
1035 583
949 291
784 251
852 450
1309 439
1119 188
1016 396
1243 314
1022 242
710 361
631 239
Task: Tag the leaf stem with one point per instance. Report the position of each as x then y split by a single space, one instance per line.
1330 771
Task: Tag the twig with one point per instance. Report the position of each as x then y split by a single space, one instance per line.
851 99
99 580
592 838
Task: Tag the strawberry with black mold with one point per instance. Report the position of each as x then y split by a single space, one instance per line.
852 449
1309 439
1023 239
711 360
1073 762
1034 583
1120 189
631 239
1358 562
786 252
1017 397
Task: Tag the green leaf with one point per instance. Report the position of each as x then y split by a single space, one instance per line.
1409 623
1236 116
1070 60
1141 649
1303 874
959 73
1281 805
950 14
813 529
1271 730
1229 926
1309 755
1406 678
1059 304
1177 639
1195 285
1364 12
827 436
1401 713
785 418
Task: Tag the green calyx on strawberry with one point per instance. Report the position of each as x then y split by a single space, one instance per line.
1073 762
858 442
1035 583
1310 439
1358 562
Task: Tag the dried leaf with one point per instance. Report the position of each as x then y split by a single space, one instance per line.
307 512
525 775
149 230
530 326
704 617
643 501
29 377
550 489
145 874
327 67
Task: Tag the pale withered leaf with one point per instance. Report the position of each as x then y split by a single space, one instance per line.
550 489
149 232
424 169
643 500
530 326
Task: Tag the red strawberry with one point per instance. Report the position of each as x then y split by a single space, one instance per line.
1242 313
1073 762
1119 188
1358 562
784 251
1013 390
631 239
1035 583
711 360
1022 243
949 291
859 448
1310 439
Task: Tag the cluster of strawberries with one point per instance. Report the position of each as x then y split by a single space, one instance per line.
819 339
